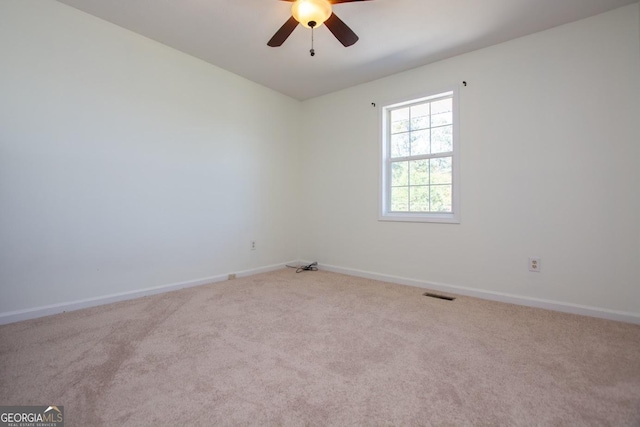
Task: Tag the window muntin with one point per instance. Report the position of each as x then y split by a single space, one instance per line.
419 159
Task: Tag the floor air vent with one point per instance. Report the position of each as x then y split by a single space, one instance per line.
444 297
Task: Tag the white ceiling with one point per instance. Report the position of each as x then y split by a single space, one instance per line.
395 35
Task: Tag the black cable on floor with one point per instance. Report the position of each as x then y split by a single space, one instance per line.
311 267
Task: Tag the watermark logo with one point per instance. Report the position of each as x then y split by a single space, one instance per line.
32 416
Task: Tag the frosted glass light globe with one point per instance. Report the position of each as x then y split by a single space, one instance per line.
305 11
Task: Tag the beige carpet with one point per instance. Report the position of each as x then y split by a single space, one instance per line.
319 348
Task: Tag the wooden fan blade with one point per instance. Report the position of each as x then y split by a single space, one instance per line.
343 33
283 33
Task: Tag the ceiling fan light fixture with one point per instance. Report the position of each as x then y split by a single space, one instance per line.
307 11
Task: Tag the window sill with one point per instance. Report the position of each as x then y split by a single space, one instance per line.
409 217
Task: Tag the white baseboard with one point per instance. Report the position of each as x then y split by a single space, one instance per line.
619 316
33 313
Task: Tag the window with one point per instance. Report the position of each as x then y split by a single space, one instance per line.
420 160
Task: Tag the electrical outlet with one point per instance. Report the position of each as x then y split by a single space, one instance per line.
534 264
253 245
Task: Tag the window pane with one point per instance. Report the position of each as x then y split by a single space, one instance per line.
442 112
399 174
420 142
418 123
441 172
420 110
400 199
419 172
420 117
440 198
442 139
419 199
400 120
400 145
401 126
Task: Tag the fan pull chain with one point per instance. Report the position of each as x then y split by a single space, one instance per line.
312 24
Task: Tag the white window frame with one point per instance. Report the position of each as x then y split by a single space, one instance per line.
385 214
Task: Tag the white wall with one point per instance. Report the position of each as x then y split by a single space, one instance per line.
125 164
550 155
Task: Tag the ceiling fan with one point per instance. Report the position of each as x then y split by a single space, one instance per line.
312 14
